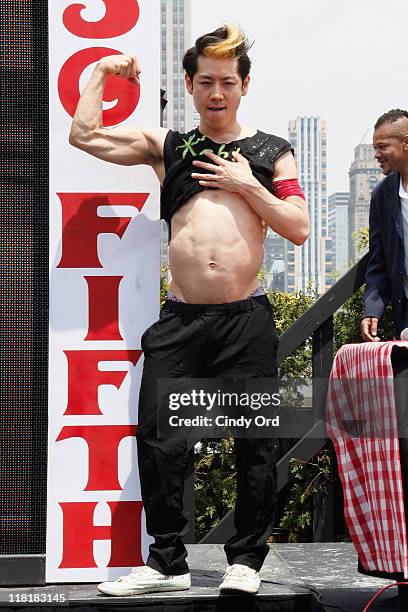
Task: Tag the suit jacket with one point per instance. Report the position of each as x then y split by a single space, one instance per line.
386 267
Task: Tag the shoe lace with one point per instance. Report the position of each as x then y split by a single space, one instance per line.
136 571
238 570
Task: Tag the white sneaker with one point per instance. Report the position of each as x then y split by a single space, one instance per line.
145 579
239 577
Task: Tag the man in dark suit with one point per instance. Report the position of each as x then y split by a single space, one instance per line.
387 270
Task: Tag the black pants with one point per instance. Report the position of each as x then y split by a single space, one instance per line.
236 340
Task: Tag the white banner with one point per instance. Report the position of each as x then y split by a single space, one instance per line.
104 292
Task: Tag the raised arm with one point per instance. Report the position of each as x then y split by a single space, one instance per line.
122 145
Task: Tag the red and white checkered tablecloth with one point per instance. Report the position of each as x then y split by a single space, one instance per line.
361 390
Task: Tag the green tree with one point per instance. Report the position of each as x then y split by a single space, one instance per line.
361 238
310 478
214 483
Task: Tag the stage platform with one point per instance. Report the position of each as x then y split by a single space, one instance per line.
295 578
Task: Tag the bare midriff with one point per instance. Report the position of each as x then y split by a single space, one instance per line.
216 249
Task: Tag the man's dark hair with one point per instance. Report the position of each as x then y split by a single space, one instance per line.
226 41
391 116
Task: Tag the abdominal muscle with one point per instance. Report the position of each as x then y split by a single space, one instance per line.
216 249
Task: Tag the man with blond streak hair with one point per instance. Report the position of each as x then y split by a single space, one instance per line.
223 185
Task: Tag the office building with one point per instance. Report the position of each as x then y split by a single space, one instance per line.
274 262
175 23
308 263
338 229
364 175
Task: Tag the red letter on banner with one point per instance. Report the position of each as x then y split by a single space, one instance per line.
125 91
79 534
120 17
84 378
103 307
103 444
81 224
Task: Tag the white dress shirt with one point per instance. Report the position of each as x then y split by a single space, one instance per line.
404 211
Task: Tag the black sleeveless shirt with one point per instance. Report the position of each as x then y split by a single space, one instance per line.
180 150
